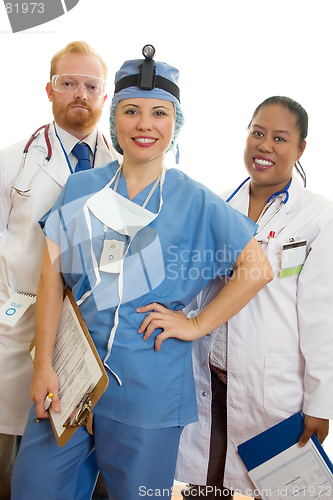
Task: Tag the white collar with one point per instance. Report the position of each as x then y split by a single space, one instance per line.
69 141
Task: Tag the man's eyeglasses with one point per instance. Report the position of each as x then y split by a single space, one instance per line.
70 84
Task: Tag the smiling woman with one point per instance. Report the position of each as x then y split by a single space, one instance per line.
275 143
273 358
179 122
118 224
145 129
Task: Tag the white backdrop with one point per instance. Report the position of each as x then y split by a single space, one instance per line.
231 54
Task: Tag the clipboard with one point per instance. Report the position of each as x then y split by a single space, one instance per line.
102 383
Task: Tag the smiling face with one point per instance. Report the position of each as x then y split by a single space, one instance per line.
145 128
272 147
77 113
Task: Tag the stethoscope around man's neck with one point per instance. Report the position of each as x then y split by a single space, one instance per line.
25 192
283 194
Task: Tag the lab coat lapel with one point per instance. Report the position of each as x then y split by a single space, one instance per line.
287 211
241 200
241 203
57 168
103 154
295 195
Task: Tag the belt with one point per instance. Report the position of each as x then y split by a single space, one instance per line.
222 374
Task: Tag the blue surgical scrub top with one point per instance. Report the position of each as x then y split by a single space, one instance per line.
195 237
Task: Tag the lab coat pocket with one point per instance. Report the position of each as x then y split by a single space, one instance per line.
283 383
156 270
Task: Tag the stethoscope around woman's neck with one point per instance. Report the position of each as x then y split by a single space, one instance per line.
283 194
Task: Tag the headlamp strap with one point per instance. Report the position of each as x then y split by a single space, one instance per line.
147 74
159 82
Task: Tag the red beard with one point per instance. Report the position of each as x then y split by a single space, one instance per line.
79 119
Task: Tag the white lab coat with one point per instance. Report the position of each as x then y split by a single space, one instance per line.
21 250
280 346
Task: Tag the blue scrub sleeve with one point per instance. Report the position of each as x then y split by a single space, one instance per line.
225 232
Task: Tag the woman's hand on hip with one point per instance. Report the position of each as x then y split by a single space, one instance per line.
173 323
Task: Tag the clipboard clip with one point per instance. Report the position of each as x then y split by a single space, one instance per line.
80 415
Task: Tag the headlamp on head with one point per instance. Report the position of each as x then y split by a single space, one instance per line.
145 78
147 69
148 51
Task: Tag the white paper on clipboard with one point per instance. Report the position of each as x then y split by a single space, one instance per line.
75 364
295 473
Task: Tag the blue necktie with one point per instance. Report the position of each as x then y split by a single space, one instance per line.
81 151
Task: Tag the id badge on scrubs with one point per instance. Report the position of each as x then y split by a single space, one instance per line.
112 255
293 257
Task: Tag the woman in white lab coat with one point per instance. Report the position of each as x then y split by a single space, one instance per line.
275 354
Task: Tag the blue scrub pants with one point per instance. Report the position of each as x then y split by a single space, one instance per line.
135 463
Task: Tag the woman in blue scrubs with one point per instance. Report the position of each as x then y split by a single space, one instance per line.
121 237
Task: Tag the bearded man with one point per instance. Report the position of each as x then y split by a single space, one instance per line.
28 189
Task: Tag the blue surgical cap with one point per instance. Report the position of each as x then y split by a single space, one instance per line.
163 70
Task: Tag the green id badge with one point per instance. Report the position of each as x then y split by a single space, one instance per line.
293 257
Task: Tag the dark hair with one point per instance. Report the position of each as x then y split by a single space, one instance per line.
301 120
294 108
